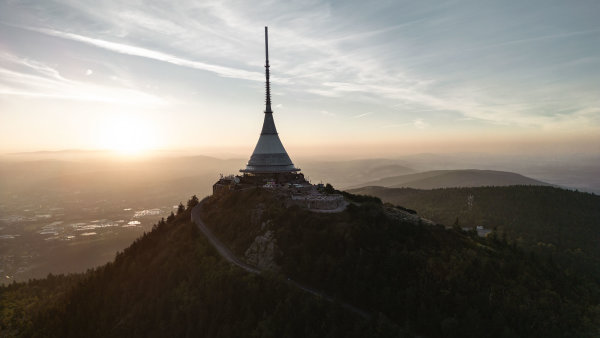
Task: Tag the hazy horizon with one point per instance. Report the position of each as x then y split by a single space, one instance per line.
568 170
330 151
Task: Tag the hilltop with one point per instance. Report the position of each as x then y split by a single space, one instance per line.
410 276
454 178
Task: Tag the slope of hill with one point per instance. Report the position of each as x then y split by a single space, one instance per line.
545 219
414 279
437 282
169 283
454 178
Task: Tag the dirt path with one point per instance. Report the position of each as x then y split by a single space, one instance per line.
230 257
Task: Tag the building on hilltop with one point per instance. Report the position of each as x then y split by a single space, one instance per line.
225 184
270 160
270 167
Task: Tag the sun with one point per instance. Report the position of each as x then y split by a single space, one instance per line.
127 135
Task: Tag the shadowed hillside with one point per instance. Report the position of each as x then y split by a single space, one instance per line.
544 219
436 281
170 283
413 278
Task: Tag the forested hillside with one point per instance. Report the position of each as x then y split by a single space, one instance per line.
557 222
171 283
432 281
412 278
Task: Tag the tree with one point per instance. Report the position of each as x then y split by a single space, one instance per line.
171 217
456 225
192 202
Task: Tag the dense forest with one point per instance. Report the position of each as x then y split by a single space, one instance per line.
171 283
554 222
412 278
427 279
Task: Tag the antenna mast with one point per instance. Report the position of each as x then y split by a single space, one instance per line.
268 85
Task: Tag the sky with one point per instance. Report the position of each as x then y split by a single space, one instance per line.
348 77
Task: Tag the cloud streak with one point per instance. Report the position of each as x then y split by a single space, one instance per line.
154 55
362 115
29 78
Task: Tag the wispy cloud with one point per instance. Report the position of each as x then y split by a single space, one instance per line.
395 125
155 55
362 115
420 124
417 123
562 35
30 78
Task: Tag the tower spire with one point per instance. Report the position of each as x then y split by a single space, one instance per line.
269 155
268 84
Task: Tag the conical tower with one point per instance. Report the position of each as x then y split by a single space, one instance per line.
269 156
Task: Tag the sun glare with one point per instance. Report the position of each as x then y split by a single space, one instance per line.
127 135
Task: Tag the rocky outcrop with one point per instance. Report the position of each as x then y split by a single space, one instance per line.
257 213
406 216
261 252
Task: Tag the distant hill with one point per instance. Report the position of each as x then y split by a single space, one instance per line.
454 178
347 173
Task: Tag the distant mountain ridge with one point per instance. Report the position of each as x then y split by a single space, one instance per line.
454 178
347 173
